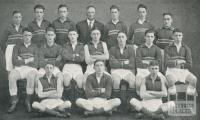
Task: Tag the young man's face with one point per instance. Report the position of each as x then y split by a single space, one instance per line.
121 38
95 34
178 36
63 13
50 36
167 21
17 18
49 69
154 70
114 14
91 13
39 13
73 36
99 67
27 37
142 13
149 37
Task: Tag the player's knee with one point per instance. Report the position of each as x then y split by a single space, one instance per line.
170 80
192 80
67 104
14 75
117 101
79 101
32 74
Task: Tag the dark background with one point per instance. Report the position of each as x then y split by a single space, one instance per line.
186 15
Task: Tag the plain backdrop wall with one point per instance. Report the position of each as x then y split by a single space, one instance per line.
186 15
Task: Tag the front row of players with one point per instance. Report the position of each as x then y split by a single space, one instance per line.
49 81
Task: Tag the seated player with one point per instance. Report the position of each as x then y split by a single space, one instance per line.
122 62
151 91
25 61
50 52
145 53
178 61
94 50
73 57
50 90
98 91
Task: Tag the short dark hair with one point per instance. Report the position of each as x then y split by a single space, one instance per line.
153 63
73 29
96 61
114 7
26 29
150 31
177 30
167 13
39 6
50 29
95 28
121 32
141 6
90 6
62 5
16 12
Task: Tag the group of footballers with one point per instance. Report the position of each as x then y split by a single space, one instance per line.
97 57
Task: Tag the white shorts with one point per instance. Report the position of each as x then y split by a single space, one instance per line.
8 57
51 103
56 70
98 102
73 70
24 70
178 74
122 73
152 105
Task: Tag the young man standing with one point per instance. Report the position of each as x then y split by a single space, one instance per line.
98 91
84 27
12 36
38 26
25 61
151 91
164 34
178 62
50 90
62 25
137 29
113 27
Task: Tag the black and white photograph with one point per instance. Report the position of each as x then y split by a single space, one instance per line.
99 59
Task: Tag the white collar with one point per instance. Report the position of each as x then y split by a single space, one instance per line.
27 45
88 21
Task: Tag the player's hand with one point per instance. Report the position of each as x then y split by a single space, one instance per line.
58 58
31 59
126 62
179 62
145 62
103 90
19 58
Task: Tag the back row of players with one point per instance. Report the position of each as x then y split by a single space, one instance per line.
129 57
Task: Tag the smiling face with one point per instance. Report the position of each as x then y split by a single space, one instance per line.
50 36
39 13
17 18
91 13
149 37
121 38
27 37
73 36
63 12
114 14
167 20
